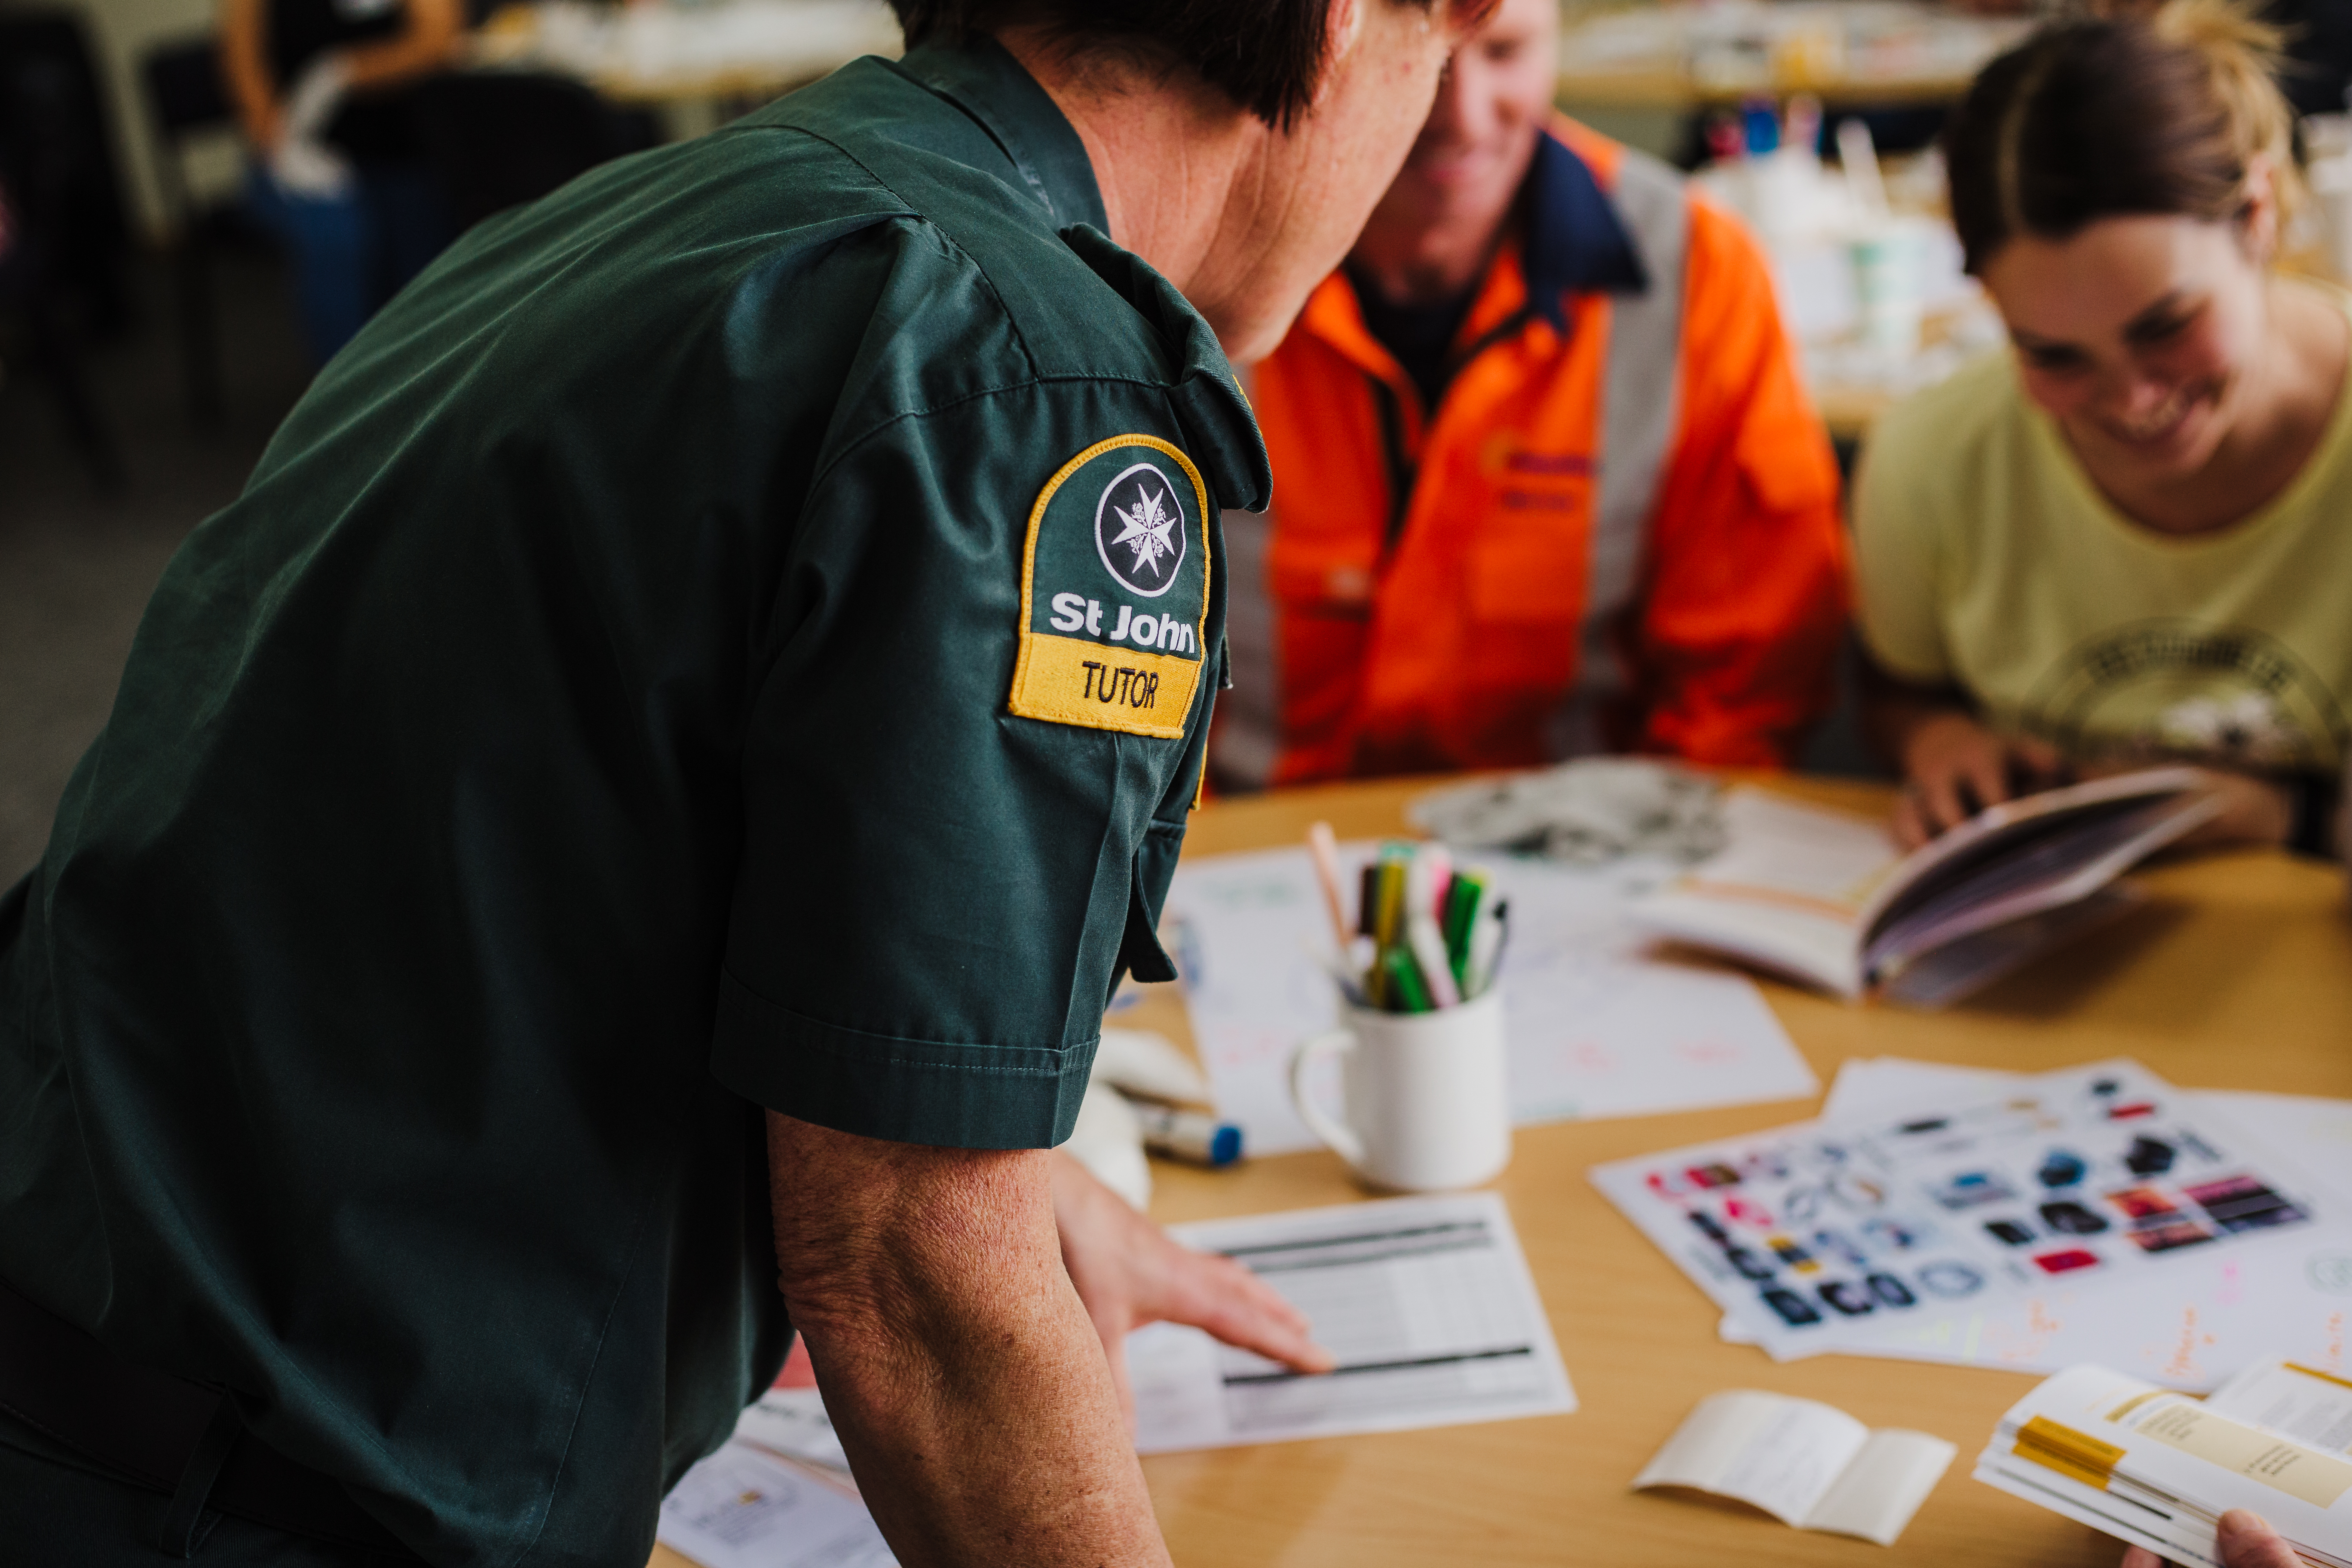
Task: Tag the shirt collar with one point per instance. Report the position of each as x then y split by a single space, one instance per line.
1575 241
982 78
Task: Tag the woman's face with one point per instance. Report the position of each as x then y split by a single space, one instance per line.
2137 334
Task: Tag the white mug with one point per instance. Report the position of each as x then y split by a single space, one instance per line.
1425 1100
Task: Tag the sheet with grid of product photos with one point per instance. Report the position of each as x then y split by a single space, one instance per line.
1830 1234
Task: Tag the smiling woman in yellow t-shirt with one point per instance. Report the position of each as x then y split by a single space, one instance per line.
2131 539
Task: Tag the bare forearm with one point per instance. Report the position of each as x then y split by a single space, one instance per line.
971 1391
427 43
246 72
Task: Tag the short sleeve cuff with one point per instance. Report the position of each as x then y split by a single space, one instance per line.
1915 666
881 1085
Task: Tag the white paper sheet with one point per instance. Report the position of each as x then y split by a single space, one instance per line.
792 1422
2190 1327
1882 1488
1770 1451
1805 1463
1594 1028
1912 1228
1426 1302
742 1508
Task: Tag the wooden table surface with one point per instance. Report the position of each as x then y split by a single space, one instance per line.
2238 973
1668 87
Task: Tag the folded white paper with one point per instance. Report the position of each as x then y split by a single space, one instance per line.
1804 1463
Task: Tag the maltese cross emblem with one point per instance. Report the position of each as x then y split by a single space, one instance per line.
1140 530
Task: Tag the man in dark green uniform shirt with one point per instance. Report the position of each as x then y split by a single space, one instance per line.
739 634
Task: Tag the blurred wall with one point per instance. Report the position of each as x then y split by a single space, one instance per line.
120 32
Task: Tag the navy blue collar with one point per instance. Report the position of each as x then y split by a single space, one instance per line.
1575 241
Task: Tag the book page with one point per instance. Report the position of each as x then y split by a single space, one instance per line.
1786 891
2156 1466
2311 1406
1986 836
1773 1452
1883 1486
1781 851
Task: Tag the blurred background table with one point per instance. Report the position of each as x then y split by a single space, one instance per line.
2237 973
704 64
1684 55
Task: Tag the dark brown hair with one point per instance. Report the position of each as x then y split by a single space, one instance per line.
2106 119
1266 54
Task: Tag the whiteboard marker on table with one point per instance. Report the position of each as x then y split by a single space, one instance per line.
1190 1135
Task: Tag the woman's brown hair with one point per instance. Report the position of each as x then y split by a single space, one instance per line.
2106 119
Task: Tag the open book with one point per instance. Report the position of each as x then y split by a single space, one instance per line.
2158 1469
1802 1462
1824 897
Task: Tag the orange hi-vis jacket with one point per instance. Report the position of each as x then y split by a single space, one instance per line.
1618 530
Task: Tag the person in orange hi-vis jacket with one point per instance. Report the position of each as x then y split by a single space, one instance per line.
1546 482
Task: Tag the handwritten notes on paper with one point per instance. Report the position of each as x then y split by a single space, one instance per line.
2212 1315
1595 1028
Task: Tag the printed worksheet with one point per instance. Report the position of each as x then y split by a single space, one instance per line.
743 1508
1595 1029
1426 1302
2214 1311
1851 1235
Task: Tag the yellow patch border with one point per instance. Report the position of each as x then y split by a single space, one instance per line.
1104 715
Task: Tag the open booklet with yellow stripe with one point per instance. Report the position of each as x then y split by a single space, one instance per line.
2158 1468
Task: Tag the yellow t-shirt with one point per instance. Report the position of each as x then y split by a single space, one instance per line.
1988 560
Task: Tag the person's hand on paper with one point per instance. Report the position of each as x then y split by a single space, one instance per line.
2247 1542
1953 767
1129 1273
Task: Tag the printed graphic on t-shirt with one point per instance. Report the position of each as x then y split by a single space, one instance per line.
2178 688
1115 591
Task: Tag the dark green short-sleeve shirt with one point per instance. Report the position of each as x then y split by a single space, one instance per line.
737 632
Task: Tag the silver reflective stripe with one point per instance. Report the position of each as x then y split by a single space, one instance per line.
1639 404
1247 740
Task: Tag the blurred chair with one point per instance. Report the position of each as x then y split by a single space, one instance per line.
185 99
62 272
498 139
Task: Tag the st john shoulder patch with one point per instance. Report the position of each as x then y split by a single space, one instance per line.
1115 591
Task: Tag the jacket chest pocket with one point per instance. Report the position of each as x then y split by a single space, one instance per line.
1528 563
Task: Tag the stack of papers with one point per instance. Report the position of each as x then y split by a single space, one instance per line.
1594 1028
2014 1224
2159 1469
1426 1302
